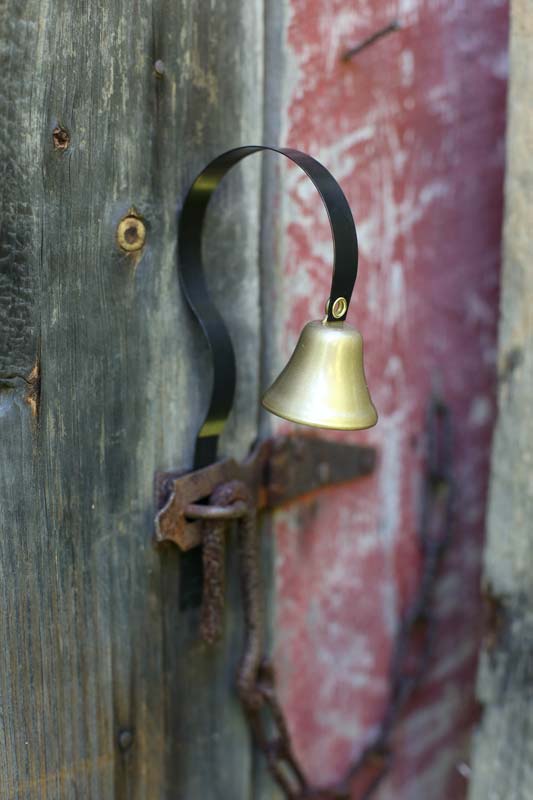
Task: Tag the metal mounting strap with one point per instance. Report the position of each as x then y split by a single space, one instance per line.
190 270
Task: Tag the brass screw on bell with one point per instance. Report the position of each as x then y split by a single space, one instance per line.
339 307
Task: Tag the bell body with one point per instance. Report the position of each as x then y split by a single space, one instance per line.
323 384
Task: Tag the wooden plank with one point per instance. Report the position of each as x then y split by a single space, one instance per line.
93 644
504 744
275 20
418 151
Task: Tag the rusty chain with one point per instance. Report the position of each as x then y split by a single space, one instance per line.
411 651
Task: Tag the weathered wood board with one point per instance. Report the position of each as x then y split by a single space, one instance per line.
413 128
503 764
105 691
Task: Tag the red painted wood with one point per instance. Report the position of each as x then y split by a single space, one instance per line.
414 130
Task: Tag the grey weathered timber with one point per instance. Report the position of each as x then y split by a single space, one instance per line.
271 260
503 763
103 379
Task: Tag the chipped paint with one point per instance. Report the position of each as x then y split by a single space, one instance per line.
419 153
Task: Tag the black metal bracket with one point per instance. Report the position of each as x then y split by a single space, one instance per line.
192 279
191 218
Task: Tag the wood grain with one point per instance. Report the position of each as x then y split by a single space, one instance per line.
503 763
93 643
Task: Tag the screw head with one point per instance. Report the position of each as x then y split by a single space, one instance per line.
339 307
131 233
125 739
324 472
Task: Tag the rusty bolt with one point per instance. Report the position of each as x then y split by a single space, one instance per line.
61 138
131 233
125 739
324 472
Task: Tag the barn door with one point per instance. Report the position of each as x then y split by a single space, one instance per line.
109 110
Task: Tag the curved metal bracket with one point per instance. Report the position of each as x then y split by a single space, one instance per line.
194 286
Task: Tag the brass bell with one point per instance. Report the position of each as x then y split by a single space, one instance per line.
323 384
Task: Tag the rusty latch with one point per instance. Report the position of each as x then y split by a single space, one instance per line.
194 509
277 471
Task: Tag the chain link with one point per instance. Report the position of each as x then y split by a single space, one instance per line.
411 651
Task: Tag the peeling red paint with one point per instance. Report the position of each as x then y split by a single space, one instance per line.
413 128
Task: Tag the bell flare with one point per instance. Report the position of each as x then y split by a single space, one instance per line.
324 384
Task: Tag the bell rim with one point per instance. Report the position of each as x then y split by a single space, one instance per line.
335 427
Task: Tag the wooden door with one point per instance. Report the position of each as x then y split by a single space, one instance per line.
413 127
109 111
105 691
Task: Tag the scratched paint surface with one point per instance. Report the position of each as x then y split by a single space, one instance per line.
413 128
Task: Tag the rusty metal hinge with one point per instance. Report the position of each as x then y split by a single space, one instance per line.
195 508
277 471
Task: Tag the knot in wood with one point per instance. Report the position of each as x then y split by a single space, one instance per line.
61 138
131 233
